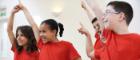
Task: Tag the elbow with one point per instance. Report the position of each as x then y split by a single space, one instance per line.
90 54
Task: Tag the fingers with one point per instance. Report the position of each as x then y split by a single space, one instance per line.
20 4
81 25
80 31
16 8
83 4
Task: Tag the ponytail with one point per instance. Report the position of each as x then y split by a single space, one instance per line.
53 25
61 29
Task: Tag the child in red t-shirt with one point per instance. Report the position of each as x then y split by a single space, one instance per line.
118 43
50 47
24 43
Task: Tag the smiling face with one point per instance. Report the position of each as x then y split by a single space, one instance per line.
96 26
46 33
111 18
21 39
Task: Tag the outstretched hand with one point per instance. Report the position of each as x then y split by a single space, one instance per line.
83 4
16 9
21 5
83 30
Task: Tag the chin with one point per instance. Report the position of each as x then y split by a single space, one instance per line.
20 44
44 41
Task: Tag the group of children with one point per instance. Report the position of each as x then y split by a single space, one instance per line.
113 40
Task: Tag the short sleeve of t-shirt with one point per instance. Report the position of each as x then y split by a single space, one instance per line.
72 51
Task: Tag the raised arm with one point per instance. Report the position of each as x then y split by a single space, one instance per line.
89 44
96 8
10 24
88 10
30 20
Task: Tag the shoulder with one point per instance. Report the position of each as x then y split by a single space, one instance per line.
65 42
134 36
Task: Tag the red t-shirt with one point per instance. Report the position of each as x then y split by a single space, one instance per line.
24 55
61 50
118 46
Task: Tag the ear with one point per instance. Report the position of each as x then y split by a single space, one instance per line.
53 31
122 16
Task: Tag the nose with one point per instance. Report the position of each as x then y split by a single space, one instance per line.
41 34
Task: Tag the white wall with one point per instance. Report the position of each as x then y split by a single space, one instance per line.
72 14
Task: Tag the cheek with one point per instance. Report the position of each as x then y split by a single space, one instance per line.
111 23
111 20
48 34
43 34
24 40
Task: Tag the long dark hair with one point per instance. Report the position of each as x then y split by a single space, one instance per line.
28 33
53 25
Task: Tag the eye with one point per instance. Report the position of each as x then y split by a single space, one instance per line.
21 35
39 31
43 31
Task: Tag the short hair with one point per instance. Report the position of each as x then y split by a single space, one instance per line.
121 6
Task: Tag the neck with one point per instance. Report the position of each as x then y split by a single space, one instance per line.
25 46
54 39
122 29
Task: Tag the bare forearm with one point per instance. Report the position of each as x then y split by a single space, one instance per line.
96 8
89 46
29 17
10 22
90 13
88 10
10 28
32 23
